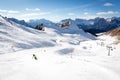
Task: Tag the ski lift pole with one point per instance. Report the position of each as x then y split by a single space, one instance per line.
109 49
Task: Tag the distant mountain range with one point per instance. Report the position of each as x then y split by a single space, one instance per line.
22 22
93 26
33 22
96 25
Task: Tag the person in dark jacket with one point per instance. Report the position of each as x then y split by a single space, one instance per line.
34 57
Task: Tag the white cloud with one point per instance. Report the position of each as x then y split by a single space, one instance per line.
27 16
12 11
71 14
3 11
85 13
32 9
23 14
36 14
8 11
108 4
107 13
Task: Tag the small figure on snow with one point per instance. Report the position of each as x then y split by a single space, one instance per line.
34 56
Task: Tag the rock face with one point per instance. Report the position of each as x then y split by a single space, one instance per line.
69 26
40 27
66 24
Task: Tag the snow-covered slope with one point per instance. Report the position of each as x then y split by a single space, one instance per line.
15 37
60 56
72 28
87 61
113 34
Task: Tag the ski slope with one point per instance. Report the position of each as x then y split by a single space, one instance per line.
16 37
61 56
61 63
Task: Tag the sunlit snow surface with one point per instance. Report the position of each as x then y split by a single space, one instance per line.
60 56
61 63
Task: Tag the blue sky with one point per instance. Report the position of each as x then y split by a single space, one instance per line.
56 10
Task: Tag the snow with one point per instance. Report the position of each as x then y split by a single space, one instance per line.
52 65
15 37
61 56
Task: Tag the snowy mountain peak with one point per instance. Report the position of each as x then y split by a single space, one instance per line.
34 23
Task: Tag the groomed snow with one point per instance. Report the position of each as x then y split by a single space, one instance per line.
61 63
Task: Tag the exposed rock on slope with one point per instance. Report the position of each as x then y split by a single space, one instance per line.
114 33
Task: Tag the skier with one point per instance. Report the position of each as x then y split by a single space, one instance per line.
34 56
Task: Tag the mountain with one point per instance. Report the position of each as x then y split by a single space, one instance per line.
96 25
72 28
35 22
93 26
15 37
22 22
55 55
